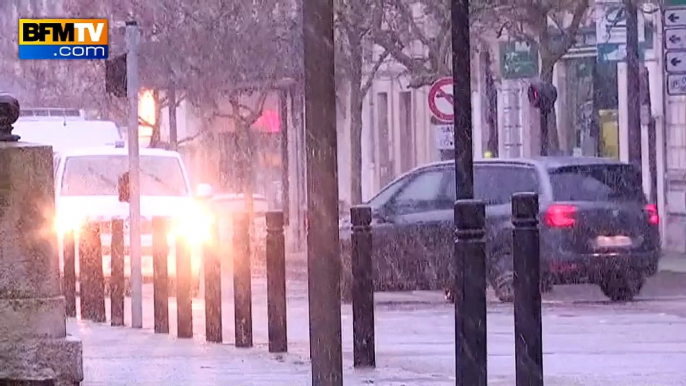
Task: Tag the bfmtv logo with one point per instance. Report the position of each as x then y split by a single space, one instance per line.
63 39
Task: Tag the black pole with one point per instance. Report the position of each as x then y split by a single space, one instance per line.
213 288
160 274
543 116
323 248
117 282
69 286
527 303
276 283
470 293
242 280
363 288
184 293
91 278
633 84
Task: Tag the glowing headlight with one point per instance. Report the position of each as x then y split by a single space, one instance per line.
194 225
67 222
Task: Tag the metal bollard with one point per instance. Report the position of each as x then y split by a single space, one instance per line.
160 276
117 281
69 284
184 293
470 293
91 278
363 288
276 283
213 288
242 281
527 303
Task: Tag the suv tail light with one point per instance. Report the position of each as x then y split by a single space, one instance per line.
653 217
560 216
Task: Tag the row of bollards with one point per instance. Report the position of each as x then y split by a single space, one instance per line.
92 284
469 291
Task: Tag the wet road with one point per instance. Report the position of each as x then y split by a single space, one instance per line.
587 341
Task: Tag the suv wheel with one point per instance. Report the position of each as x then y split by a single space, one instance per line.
622 287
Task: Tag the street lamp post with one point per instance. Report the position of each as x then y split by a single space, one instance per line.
323 249
633 76
469 282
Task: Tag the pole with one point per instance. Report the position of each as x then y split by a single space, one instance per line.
363 288
462 136
276 283
323 249
134 175
543 116
469 251
160 274
117 278
527 304
69 248
212 270
633 84
242 280
470 293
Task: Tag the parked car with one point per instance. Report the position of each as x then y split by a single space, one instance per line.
595 222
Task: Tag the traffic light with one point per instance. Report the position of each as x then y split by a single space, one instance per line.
542 95
115 76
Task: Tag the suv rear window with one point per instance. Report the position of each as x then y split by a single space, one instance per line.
597 183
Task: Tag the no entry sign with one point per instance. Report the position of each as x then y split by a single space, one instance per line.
441 101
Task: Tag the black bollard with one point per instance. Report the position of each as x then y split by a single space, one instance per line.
117 281
276 283
69 284
527 303
184 293
242 281
470 293
91 278
363 287
213 288
160 276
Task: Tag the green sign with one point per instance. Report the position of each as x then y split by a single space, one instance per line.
674 3
518 60
615 52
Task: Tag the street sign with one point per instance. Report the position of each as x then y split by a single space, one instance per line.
675 39
674 3
444 135
675 17
616 52
675 62
441 101
518 60
676 84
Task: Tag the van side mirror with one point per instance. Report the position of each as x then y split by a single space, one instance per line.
123 188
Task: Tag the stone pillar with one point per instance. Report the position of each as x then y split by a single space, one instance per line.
34 345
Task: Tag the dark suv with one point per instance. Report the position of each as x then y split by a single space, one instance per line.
596 226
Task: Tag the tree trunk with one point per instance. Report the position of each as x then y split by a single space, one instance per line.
553 135
247 187
171 102
356 99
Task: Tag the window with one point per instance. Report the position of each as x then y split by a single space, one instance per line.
98 176
386 194
597 183
495 184
426 191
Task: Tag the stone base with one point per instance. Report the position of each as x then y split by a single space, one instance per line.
43 360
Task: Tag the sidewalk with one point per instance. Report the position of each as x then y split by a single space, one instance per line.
673 262
584 344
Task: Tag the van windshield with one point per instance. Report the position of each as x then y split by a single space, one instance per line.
97 175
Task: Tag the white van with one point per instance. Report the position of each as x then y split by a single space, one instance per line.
66 133
86 191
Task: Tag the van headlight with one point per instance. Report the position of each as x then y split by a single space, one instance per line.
66 222
194 225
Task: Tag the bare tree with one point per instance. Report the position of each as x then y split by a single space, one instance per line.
356 21
551 26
